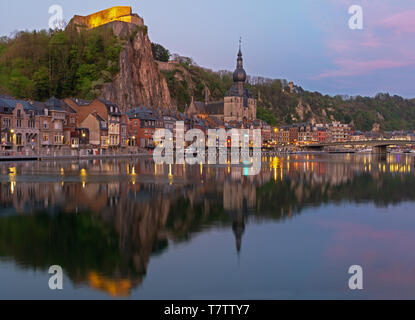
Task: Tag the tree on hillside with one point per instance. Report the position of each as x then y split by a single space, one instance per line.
160 53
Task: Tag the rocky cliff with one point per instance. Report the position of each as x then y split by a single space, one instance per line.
139 80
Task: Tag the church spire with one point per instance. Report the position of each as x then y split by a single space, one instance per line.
240 60
239 76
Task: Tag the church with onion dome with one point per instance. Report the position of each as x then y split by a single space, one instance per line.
238 104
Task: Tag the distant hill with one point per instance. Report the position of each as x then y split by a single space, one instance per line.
278 106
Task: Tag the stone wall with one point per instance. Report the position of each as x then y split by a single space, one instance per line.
123 14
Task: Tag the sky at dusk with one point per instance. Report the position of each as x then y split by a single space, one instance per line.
306 41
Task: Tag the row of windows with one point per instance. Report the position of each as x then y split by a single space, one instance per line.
148 123
19 122
57 139
30 124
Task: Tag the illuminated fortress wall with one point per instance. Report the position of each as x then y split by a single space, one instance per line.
100 18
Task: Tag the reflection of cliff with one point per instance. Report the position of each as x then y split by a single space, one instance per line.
81 244
103 220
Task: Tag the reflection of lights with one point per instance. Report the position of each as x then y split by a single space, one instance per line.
170 174
275 162
12 176
133 171
201 169
83 176
12 186
62 172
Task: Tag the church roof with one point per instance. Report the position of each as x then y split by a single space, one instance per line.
213 108
234 92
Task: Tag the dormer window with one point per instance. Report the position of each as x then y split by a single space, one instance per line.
112 109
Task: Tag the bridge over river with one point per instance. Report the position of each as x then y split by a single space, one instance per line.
379 146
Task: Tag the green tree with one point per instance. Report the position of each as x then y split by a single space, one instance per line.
42 83
160 53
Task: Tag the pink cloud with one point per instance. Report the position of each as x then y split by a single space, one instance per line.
386 254
353 67
385 43
403 22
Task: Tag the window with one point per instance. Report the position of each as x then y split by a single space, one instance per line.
58 125
19 113
6 122
19 139
45 137
45 125
72 120
31 123
19 123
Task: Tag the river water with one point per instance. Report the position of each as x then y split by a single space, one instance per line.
130 229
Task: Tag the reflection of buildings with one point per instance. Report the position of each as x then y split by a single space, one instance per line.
147 206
